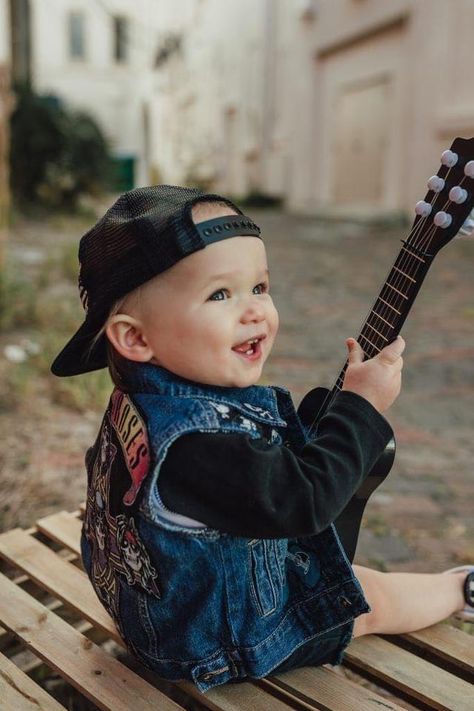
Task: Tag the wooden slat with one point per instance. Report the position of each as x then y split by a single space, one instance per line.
97 675
72 586
20 693
62 527
447 644
332 691
444 642
416 677
242 697
57 576
231 697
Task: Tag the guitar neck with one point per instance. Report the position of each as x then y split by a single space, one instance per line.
392 306
446 210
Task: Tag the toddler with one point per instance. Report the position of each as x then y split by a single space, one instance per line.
209 533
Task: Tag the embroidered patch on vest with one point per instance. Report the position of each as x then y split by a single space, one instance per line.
233 416
259 411
132 434
121 452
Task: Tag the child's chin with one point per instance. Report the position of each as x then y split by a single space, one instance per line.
245 381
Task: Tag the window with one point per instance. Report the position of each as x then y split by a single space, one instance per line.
120 28
77 43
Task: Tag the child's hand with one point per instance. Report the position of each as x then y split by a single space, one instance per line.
377 379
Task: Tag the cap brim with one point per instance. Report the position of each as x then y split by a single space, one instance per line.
75 359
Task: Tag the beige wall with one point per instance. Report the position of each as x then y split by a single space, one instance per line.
392 90
317 96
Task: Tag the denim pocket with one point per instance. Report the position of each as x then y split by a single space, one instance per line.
266 574
135 620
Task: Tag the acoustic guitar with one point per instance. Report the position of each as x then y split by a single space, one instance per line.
445 212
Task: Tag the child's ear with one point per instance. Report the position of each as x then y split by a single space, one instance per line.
126 335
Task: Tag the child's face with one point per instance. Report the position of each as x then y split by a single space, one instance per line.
193 319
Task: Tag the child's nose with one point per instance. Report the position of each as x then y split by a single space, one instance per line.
254 311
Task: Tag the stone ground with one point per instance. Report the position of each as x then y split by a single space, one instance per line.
324 279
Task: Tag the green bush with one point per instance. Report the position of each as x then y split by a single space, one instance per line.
56 154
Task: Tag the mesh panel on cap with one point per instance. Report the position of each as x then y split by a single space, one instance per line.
137 239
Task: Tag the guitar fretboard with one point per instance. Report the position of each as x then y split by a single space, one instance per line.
387 315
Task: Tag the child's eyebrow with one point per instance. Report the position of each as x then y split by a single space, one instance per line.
228 275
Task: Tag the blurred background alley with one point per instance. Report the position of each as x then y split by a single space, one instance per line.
325 118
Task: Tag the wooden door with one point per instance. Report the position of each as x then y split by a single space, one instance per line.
361 134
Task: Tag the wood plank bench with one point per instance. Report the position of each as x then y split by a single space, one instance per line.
53 628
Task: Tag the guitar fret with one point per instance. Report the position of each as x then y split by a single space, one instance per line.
413 254
377 332
398 292
370 343
405 275
383 319
390 306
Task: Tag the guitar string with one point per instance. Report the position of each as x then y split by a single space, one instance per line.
405 263
424 244
392 300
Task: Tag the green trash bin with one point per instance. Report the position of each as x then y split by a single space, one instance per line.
124 173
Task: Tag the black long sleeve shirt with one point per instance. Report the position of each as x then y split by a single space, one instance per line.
247 487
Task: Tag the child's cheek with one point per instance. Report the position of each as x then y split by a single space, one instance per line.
276 324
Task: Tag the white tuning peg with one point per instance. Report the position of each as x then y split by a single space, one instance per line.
469 169
468 227
442 219
458 194
449 158
436 184
423 208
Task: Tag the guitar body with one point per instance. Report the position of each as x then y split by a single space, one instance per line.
349 520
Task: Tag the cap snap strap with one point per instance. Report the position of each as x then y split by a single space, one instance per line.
228 226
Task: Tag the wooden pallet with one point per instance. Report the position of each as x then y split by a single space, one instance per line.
53 623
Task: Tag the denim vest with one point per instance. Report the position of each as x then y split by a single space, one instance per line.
192 602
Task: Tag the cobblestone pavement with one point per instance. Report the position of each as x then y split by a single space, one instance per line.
324 280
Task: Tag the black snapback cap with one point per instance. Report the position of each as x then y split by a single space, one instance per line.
145 232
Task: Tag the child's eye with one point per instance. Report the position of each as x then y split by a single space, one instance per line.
261 288
222 294
219 295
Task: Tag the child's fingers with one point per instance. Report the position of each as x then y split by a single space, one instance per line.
391 353
356 354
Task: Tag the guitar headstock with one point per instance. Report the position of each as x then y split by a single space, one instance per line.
447 208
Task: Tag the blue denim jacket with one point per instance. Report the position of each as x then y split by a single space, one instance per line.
192 602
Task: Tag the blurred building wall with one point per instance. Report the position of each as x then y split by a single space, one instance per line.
208 99
5 107
390 94
75 57
329 104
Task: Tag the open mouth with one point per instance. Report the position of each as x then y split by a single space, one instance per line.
250 349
